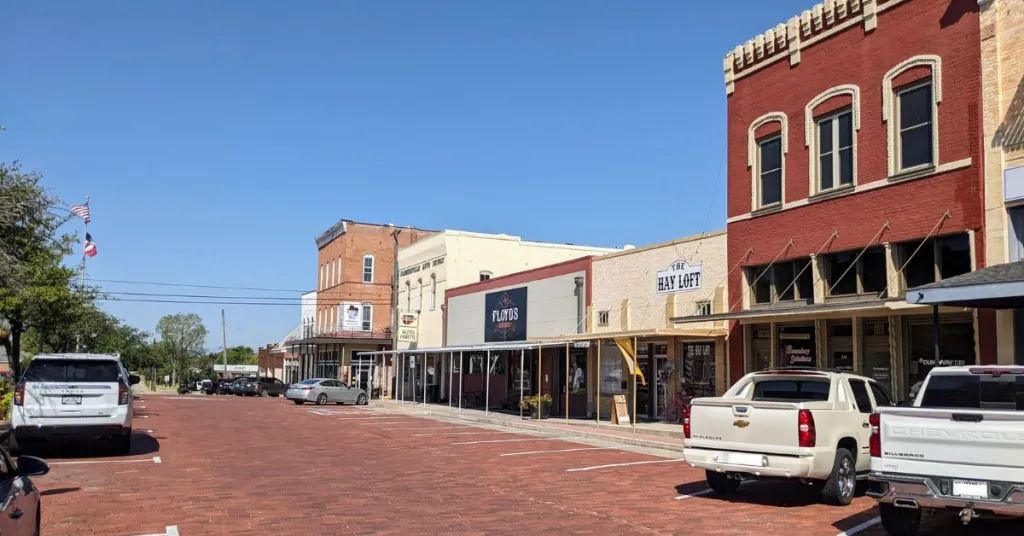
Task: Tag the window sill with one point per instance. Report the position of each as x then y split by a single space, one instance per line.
832 193
767 209
916 172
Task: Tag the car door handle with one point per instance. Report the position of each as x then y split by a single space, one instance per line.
18 512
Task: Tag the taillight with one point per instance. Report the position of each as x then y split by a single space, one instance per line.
306 388
808 436
19 394
876 435
122 394
686 421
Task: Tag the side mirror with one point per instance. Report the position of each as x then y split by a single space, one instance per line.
134 379
32 466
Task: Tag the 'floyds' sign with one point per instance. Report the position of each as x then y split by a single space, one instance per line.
505 315
680 277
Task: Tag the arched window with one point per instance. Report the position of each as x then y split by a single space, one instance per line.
408 296
419 302
831 137
766 158
367 268
433 291
911 93
485 275
367 317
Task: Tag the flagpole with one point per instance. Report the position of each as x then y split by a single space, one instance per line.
81 281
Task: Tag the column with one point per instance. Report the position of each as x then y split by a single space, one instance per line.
858 359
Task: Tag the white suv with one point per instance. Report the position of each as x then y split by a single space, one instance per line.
73 396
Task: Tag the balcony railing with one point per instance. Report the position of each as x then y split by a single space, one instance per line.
309 332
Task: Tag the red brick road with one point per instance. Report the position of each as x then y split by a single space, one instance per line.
264 466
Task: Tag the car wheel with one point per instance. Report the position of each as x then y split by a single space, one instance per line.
299 402
123 443
361 401
899 521
263 392
39 517
842 483
721 482
322 399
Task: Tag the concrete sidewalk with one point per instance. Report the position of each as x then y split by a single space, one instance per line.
648 435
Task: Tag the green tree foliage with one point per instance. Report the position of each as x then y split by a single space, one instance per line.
237 355
183 336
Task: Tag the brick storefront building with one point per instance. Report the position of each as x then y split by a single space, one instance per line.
855 172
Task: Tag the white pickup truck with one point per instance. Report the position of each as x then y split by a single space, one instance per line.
791 424
960 447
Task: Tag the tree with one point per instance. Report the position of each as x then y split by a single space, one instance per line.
34 285
237 355
184 335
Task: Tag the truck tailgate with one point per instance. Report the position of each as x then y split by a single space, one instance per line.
961 443
745 426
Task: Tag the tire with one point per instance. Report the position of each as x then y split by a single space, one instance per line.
899 521
322 399
39 517
721 482
299 402
263 393
841 485
361 401
123 443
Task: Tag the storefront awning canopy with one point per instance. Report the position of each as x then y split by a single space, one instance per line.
760 314
645 333
495 347
996 287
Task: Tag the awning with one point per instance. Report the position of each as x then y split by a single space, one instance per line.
996 287
495 347
645 333
789 312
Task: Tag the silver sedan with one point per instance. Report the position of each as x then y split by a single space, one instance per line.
325 391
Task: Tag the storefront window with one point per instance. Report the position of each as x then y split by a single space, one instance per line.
698 377
875 347
796 346
760 348
578 373
497 363
476 363
956 346
840 345
611 371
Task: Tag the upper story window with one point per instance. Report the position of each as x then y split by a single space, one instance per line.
368 268
323 274
835 150
936 259
419 303
703 308
367 317
485 275
330 274
853 272
433 291
787 281
915 126
408 296
602 318
769 171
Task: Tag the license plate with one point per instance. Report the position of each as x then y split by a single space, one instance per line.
970 488
71 399
749 460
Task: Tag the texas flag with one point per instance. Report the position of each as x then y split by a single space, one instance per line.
90 246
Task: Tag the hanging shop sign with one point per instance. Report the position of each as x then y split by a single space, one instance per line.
680 277
505 315
408 327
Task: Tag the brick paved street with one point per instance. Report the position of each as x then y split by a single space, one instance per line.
230 465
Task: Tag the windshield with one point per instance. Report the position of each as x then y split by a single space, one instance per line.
61 370
974 392
792 390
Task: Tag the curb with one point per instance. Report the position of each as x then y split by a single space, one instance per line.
632 441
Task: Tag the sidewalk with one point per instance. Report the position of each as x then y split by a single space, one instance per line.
661 436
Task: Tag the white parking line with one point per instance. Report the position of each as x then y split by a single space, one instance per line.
423 428
459 433
510 440
592 467
867 524
154 459
524 453
694 494
168 531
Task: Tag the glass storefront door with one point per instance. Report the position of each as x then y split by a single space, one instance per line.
956 347
698 378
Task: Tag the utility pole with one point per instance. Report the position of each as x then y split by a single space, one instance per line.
224 339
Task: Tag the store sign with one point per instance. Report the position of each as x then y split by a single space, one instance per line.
505 315
843 361
408 327
237 369
581 344
351 316
680 277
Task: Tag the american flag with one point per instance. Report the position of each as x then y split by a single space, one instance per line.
82 211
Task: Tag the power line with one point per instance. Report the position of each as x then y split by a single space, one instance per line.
162 284
196 302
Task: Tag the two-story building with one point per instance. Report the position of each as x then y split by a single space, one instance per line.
855 172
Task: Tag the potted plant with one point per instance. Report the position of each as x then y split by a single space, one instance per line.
537 403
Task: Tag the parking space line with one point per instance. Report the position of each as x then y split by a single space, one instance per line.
154 459
867 524
592 467
423 428
510 440
528 452
694 494
171 530
459 433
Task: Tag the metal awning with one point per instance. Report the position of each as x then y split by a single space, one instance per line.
644 333
882 307
996 287
496 347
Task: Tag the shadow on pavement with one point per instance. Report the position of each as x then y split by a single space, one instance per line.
142 443
769 493
58 491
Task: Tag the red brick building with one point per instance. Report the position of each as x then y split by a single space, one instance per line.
855 172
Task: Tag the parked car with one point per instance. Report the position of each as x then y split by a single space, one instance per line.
73 396
958 448
238 385
265 386
224 386
324 391
22 504
209 387
807 425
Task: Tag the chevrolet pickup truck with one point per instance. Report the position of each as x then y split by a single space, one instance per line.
959 448
805 425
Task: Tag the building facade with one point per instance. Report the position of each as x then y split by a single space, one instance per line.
638 293
449 259
1002 78
855 171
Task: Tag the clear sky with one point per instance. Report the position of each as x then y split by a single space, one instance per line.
217 139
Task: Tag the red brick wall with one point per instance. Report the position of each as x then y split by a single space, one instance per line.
358 240
949 29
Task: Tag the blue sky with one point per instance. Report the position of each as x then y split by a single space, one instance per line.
217 139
